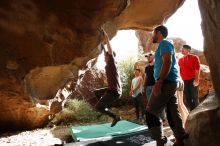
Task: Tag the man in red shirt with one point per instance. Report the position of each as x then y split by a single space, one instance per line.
190 72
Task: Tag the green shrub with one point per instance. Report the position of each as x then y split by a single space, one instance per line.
82 110
77 111
126 69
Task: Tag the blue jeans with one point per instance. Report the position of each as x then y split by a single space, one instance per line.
148 92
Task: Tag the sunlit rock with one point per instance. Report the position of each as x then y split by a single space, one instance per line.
17 109
43 83
92 78
202 124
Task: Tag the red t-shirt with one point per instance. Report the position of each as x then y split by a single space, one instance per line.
188 66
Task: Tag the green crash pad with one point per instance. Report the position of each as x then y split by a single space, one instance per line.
123 127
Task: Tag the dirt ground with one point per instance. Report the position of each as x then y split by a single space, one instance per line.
58 135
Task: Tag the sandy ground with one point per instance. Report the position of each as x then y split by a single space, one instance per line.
57 135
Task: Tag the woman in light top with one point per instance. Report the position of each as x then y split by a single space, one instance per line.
136 93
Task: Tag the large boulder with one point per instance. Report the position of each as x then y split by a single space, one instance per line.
210 13
90 80
43 83
205 82
17 110
202 124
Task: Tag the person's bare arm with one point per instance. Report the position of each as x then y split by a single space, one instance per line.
131 90
196 81
109 48
197 72
145 80
103 47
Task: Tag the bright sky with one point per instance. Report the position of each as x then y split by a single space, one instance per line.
125 44
185 24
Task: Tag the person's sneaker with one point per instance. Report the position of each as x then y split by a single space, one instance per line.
115 121
162 141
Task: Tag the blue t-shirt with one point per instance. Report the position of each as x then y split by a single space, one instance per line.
164 48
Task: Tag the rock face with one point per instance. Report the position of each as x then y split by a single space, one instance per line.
202 124
210 13
17 109
91 79
38 34
43 83
205 82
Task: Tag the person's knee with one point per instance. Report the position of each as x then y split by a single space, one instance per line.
152 120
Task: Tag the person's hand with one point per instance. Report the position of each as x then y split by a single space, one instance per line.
131 93
143 90
157 88
196 82
105 35
102 47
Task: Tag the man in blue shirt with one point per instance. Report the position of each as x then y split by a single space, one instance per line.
163 95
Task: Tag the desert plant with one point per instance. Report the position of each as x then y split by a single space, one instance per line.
82 110
77 111
126 68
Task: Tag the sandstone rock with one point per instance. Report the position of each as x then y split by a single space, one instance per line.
140 11
205 80
90 80
202 124
43 83
210 13
17 109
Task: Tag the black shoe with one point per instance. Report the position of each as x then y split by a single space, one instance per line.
115 121
162 141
